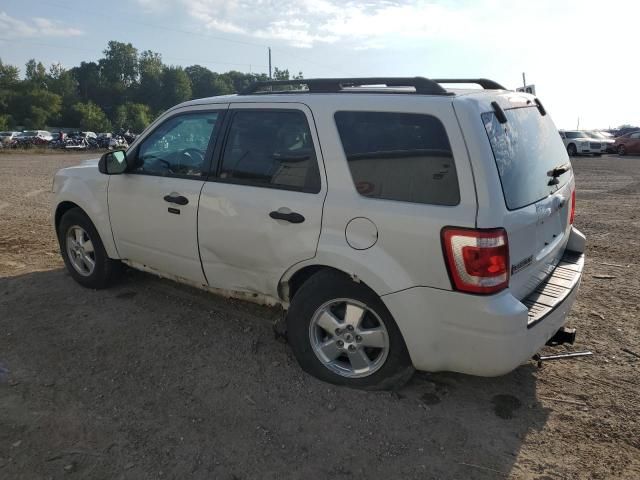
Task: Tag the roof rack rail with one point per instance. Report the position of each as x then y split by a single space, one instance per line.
483 82
422 85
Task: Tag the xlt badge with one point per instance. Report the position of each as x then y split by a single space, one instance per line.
522 264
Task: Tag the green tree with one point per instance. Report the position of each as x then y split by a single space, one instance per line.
90 117
202 80
176 86
223 85
35 107
133 116
150 88
285 75
5 122
63 83
129 89
9 75
119 67
87 75
9 80
35 73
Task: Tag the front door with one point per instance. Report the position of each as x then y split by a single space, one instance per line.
154 206
261 212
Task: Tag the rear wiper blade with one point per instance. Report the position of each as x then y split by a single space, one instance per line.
558 170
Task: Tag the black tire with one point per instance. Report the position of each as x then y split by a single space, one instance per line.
328 285
106 270
622 150
571 150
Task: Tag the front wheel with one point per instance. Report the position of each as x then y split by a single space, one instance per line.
342 333
622 150
571 150
83 252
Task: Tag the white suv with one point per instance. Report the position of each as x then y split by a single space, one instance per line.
399 224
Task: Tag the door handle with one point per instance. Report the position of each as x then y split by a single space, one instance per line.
177 199
292 217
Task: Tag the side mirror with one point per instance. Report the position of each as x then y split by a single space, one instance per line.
113 163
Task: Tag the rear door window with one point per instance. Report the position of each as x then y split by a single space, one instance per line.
525 149
271 148
399 156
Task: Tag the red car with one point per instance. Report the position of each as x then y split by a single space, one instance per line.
628 143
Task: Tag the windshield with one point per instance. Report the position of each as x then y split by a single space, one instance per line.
597 135
577 134
526 148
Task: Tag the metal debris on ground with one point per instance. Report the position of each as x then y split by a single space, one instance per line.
559 356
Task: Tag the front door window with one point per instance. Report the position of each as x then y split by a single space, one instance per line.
178 147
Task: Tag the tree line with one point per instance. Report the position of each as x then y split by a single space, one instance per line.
126 89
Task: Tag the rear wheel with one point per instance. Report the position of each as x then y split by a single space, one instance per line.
571 150
622 150
342 333
83 252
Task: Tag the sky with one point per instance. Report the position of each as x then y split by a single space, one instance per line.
582 56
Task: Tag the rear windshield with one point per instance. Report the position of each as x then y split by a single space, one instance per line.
526 148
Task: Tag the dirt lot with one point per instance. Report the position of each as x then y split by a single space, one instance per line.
151 379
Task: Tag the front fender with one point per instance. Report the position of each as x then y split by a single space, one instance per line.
88 190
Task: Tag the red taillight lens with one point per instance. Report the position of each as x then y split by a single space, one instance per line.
573 207
477 260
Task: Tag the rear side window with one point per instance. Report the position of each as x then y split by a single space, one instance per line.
271 148
399 156
526 148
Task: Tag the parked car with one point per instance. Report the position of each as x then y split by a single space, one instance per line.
580 142
6 137
606 143
398 231
35 137
629 143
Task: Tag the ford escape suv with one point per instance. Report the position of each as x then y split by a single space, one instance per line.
399 223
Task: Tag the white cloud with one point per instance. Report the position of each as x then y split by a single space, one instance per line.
37 27
378 23
568 48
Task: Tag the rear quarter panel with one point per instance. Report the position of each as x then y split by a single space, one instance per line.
408 249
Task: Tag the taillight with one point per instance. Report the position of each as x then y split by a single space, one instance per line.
573 207
477 260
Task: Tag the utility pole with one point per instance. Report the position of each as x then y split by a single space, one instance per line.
269 62
524 82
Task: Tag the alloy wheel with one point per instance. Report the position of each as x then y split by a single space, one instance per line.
80 250
349 338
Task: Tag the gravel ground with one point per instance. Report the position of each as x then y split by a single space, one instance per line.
151 379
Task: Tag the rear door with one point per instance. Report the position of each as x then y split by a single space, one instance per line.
261 212
536 199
